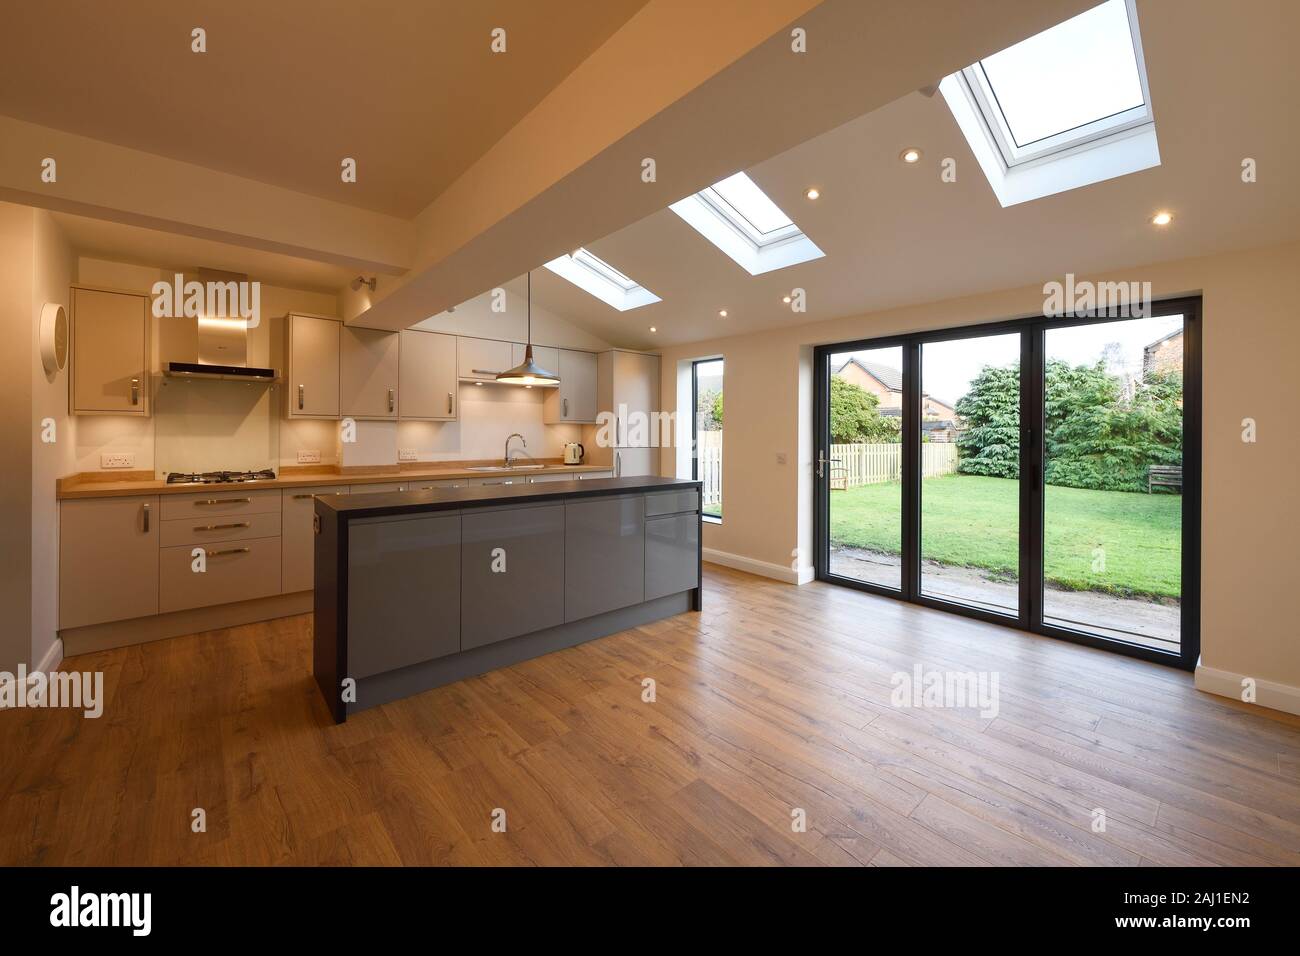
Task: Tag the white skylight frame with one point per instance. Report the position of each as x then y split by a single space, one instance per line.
731 227
1105 148
594 275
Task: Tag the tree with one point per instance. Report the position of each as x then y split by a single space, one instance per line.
717 409
989 440
855 415
708 411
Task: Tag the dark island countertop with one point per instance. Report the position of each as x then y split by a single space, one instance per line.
452 499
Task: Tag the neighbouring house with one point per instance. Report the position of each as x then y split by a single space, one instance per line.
1165 354
887 385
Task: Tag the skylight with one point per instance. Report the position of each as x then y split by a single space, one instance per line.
741 220
1065 108
594 275
1079 72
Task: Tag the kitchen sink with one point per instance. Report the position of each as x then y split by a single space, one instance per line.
505 467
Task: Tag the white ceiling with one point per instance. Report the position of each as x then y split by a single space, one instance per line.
1224 86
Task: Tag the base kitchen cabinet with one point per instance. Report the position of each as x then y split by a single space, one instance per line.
403 590
672 543
604 555
108 560
297 538
506 553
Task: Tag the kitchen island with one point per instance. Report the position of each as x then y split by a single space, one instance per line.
417 589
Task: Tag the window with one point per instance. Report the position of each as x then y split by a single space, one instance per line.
706 432
1062 109
741 220
596 276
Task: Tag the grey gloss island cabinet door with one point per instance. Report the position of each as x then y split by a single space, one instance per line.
403 591
672 554
512 572
604 555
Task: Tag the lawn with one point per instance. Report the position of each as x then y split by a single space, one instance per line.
972 521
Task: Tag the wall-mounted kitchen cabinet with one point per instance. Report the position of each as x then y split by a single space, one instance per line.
628 388
313 351
428 376
110 353
108 560
480 359
574 399
369 373
543 355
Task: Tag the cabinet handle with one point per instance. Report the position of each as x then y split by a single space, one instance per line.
135 391
449 403
146 518
300 391
223 527
300 497
217 554
618 464
391 401
564 404
224 501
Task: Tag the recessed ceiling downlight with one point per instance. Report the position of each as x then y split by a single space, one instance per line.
911 155
1162 218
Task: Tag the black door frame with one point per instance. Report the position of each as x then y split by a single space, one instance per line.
1033 333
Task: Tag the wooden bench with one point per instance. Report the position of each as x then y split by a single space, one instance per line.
1166 476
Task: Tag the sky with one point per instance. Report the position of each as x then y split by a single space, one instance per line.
947 368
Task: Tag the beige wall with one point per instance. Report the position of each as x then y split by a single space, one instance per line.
1250 509
17 267
52 275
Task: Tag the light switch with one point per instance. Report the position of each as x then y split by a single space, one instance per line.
780 458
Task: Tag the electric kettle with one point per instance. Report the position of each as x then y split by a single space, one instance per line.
573 453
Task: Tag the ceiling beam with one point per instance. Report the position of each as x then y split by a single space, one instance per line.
702 89
119 184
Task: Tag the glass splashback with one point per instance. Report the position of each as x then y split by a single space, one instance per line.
213 425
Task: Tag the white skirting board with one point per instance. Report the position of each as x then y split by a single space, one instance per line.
53 657
1268 693
777 572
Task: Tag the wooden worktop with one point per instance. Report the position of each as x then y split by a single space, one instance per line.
93 485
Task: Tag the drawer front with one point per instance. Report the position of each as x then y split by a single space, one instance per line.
597 474
378 487
671 502
434 485
206 531
236 571
223 501
672 555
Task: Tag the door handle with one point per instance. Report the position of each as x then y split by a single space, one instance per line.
217 554
565 403
300 393
135 391
449 403
301 497
822 461
224 501
145 507
391 402
223 527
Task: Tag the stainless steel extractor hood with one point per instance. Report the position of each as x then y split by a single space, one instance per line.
222 345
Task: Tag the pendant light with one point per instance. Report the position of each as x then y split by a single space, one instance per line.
528 373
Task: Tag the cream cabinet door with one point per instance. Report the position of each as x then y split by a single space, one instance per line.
481 359
369 373
313 351
574 400
298 537
110 353
636 390
428 376
108 559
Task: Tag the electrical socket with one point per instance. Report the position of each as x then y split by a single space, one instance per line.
117 460
308 457
407 454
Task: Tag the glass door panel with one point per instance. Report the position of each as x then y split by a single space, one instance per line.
970 471
864 473
1112 467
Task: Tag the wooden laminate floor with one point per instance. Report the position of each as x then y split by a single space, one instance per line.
773 699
